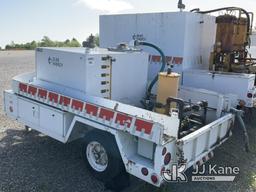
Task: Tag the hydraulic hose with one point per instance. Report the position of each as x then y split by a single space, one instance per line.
153 82
229 8
239 114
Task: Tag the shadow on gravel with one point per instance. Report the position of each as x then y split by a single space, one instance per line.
30 161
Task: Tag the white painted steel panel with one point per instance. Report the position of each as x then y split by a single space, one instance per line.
52 120
129 78
224 83
81 70
198 144
145 148
28 111
179 34
215 100
61 67
10 104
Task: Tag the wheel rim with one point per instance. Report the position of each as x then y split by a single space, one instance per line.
97 156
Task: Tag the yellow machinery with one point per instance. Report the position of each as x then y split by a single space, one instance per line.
168 85
230 52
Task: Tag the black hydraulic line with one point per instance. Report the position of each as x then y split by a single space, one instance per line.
239 114
195 10
228 8
162 67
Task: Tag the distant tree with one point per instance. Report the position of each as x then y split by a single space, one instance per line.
91 41
7 47
45 42
97 40
33 45
74 43
67 42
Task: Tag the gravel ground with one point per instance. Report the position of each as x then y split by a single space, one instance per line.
34 162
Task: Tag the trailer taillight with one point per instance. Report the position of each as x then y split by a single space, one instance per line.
249 95
154 179
167 158
164 151
210 155
144 171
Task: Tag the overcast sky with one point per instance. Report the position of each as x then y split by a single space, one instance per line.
27 20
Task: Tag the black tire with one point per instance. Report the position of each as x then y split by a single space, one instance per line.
115 164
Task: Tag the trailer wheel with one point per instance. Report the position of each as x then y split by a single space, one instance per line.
101 156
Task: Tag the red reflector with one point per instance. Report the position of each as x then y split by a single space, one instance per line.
77 105
140 125
144 171
177 60
23 87
154 179
164 151
167 158
249 95
64 100
123 119
107 114
32 90
42 93
155 58
53 97
91 109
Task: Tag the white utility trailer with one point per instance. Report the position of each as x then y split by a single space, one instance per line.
187 39
81 93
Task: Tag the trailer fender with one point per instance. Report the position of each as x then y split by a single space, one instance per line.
80 126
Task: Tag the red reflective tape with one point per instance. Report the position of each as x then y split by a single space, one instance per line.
140 125
155 58
123 119
32 90
23 87
177 60
53 97
91 109
64 100
42 93
106 114
77 105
